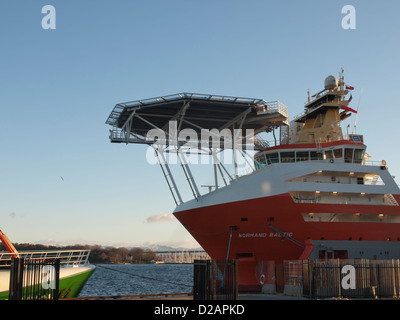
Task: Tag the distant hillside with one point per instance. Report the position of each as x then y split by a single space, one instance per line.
98 254
157 247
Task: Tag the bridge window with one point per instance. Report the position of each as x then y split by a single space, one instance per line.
287 156
302 156
260 161
348 155
315 155
358 155
272 158
338 153
328 154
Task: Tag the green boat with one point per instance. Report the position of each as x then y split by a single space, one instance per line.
74 271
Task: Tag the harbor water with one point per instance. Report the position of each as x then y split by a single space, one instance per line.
135 279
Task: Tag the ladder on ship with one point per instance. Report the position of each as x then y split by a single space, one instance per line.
375 179
391 199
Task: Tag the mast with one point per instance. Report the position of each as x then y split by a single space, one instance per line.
324 113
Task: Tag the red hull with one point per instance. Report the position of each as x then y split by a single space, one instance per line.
254 242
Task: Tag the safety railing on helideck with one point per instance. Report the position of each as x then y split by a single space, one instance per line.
66 257
273 107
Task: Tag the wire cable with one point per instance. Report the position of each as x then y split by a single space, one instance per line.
227 255
147 278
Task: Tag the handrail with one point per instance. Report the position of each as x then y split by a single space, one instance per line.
273 106
372 163
67 257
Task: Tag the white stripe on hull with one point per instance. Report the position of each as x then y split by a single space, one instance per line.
270 181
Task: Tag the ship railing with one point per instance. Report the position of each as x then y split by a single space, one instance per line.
297 116
374 163
67 257
388 200
273 106
262 143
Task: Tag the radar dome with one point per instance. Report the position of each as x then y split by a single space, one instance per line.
331 83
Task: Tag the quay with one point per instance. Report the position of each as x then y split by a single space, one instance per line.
187 296
181 256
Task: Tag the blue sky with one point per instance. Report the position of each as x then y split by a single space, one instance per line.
59 86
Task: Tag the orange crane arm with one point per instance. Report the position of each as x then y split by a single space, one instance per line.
7 243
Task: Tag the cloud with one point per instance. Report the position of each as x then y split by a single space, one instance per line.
160 218
12 215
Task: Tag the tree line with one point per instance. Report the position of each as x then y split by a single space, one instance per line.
98 253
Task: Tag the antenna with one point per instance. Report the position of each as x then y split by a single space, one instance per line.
358 106
341 79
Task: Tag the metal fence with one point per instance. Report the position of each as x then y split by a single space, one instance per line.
215 280
345 278
34 279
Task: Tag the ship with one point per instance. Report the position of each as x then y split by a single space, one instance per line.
311 193
74 271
